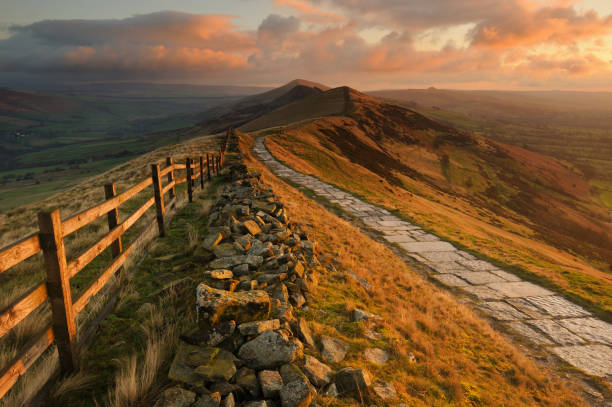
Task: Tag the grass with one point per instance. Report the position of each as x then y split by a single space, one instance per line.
16 224
508 239
460 359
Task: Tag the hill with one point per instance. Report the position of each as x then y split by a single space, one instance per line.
255 106
503 201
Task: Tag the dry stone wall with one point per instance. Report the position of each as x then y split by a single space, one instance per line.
248 347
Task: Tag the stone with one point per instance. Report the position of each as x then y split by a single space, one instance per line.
210 336
229 401
209 400
222 274
353 382
318 373
520 289
372 335
451 280
502 311
212 240
219 305
376 356
529 333
483 292
590 329
225 250
231 261
257 327
247 379
303 332
256 403
419 247
362 315
175 397
202 254
252 227
280 292
241 270
333 350
187 358
295 391
331 390
298 300
270 382
220 367
270 349
437 257
384 390
595 360
556 306
481 277
556 332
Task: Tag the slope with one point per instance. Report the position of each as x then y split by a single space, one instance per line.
254 106
514 205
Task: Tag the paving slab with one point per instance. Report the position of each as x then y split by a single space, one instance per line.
479 277
520 289
529 333
527 308
450 280
593 359
398 238
591 329
448 267
501 310
477 265
556 332
557 306
419 247
436 257
504 274
484 293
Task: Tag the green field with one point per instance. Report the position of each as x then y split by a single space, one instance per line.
49 142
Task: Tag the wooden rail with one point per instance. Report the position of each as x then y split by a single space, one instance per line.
50 241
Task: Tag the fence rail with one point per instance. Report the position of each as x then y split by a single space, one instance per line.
50 241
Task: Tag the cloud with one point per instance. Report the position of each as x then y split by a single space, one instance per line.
509 43
163 42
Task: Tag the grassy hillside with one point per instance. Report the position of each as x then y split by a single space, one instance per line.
50 141
513 205
572 126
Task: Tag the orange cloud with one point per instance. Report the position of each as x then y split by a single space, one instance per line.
311 13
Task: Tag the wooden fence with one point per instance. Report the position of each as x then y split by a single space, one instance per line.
50 240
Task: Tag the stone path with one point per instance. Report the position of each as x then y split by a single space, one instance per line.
537 314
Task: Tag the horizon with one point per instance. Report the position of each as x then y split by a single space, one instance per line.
522 45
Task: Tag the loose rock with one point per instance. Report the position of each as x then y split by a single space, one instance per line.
296 391
318 373
175 397
376 356
333 350
270 349
257 327
219 305
270 382
353 382
384 390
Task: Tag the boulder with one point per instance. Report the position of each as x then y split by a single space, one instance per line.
225 250
220 367
303 332
187 358
257 327
210 336
209 400
215 305
251 227
175 397
247 380
298 299
384 390
270 382
353 382
222 274
241 269
318 373
270 349
376 356
362 315
212 240
231 261
332 349
296 391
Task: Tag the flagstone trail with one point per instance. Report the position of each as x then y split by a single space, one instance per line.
545 319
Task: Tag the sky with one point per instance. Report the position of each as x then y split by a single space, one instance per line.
367 44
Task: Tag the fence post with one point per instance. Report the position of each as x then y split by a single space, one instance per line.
159 198
189 183
113 220
208 165
170 162
58 288
201 172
